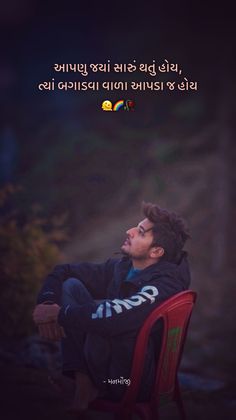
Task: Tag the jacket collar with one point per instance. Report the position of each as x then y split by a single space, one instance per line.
161 267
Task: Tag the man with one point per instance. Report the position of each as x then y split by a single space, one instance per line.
96 310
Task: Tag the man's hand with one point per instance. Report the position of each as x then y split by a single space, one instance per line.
51 331
45 317
45 313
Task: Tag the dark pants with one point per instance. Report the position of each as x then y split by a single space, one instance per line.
99 357
78 346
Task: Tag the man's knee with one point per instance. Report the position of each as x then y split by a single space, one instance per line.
70 284
74 291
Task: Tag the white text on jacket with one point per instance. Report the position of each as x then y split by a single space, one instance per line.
105 309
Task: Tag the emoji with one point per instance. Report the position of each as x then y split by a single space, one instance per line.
129 105
107 105
118 105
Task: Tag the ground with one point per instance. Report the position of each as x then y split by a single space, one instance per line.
26 394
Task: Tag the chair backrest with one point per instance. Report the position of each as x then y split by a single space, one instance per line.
175 314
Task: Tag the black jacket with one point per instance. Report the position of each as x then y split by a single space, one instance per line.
125 306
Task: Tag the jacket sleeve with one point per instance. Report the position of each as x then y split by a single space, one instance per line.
95 277
119 316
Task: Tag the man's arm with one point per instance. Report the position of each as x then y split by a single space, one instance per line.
95 277
118 316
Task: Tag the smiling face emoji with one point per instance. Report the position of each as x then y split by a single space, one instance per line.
107 105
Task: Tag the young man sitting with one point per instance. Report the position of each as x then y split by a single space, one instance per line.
96 310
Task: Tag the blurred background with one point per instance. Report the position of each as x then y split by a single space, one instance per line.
72 177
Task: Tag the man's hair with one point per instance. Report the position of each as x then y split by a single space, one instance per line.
169 231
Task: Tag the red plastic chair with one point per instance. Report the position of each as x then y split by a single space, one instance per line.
175 313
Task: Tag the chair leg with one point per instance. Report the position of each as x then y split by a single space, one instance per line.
179 401
145 413
142 415
154 415
123 416
181 408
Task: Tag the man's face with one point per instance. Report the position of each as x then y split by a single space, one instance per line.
138 242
